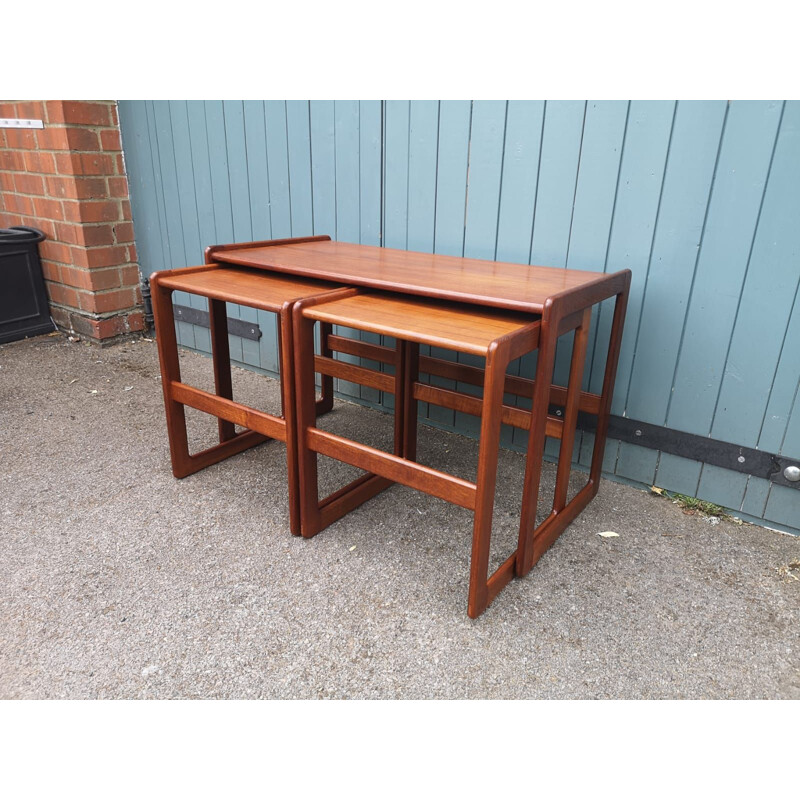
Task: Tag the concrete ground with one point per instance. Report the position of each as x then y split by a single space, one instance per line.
118 581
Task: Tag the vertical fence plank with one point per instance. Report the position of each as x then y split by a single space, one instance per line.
555 195
218 163
236 145
323 167
258 192
141 179
370 129
523 142
451 201
396 173
423 154
483 202
298 137
278 169
595 194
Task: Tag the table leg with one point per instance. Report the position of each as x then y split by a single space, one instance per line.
536 437
221 357
614 344
325 403
170 371
494 384
571 412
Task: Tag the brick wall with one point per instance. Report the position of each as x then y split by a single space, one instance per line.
68 180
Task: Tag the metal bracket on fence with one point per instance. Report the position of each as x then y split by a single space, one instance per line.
236 327
777 469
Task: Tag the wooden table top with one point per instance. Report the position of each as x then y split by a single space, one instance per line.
248 287
449 325
469 280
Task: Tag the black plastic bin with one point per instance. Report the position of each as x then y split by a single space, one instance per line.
23 298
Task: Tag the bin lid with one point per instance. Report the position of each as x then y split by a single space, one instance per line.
20 234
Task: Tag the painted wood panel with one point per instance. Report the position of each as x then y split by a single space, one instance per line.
699 199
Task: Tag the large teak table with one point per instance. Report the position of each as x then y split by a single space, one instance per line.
562 301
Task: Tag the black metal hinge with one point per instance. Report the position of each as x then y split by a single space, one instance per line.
747 460
236 327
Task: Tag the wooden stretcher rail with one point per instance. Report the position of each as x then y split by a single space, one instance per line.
221 407
354 373
368 350
441 368
431 481
517 417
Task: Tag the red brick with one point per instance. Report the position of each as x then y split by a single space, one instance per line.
107 328
40 162
54 111
118 187
114 117
62 318
132 254
7 182
93 235
106 256
105 279
31 110
79 188
110 140
72 211
114 300
56 251
28 184
49 209
54 139
91 280
99 211
9 110
123 232
47 226
86 112
118 325
50 270
82 139
93 164
120 162
24 139
76 278
10 159
20 205
83 325
63 295
125 207
67 232
64 163
129 276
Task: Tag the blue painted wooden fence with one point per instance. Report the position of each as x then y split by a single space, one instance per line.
701 200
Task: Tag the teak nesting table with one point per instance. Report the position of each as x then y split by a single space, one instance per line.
496 310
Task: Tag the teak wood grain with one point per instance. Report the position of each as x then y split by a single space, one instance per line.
468 280
450 326
246 287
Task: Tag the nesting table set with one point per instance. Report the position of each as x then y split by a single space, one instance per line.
494 310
